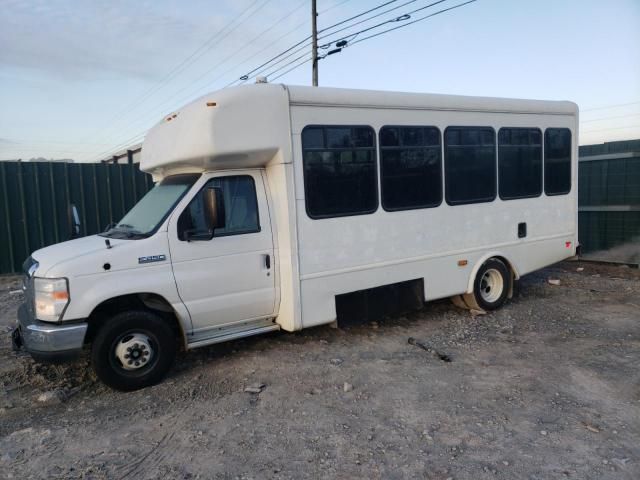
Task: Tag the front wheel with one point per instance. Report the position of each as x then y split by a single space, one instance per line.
133 350
490 287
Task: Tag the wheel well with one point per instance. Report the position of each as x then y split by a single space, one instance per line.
135 301
514 275
509 265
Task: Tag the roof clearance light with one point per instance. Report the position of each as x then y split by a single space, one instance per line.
211 104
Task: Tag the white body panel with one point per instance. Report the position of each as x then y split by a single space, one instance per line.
82 262
345 254
224 280
256 130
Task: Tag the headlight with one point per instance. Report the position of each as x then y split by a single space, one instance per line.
51 297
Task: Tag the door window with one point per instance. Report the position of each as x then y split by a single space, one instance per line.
240 205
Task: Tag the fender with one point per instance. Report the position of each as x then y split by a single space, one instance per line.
483 259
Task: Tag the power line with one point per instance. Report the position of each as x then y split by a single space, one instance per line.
287 64
293 68
291 51
383 32
357 16
296 63
297 27
609 118
121 145
307 38
370 18
207 45
412 22
609 106
187 61
259 70
175 94
612 128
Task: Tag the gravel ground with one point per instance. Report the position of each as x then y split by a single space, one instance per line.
547 387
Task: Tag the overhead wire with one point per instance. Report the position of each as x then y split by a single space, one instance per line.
306 43
226 59
190 59
600 119
307 38
166 101
612 128
296 63
410 23
388 30
605 107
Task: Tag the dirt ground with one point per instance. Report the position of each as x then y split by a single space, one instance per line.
547 387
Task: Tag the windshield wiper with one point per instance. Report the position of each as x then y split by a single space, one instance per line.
125 230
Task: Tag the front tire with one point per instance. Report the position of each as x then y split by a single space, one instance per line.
490 287
133 350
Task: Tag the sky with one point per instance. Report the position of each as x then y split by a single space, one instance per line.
82 80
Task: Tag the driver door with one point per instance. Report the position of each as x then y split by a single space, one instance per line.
229 278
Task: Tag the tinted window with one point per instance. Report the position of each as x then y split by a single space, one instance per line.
557 161
240 206
519 162
470 164
339 166
411 167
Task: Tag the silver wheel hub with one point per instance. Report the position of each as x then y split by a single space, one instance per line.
134 351
491 285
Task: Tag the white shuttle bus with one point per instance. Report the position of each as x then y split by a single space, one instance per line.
273 200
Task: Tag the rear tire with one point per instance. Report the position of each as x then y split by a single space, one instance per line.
490 287
133 350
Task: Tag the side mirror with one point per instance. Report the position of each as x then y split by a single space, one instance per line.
74 221
214 211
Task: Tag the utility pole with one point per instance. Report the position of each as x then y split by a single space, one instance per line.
314 48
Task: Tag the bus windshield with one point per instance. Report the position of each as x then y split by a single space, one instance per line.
152 209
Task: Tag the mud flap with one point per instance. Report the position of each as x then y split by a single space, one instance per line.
16 339
470 300
459 302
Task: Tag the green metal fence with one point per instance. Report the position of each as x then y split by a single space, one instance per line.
609 200
35 199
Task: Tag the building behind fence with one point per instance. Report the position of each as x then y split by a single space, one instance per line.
35 199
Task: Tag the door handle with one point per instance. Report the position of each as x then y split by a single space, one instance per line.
267 261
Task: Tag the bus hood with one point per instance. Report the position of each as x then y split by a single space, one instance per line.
90 255
79 248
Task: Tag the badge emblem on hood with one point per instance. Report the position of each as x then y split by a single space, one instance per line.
152 258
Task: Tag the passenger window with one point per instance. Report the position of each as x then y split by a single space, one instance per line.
339 166
557 161
519 163
470 165
240 205
411 167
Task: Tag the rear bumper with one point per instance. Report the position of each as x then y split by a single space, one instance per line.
48 341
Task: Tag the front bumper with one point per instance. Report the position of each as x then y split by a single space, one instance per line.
46 341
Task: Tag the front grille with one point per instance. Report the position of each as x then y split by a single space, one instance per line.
29 266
